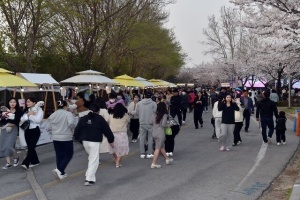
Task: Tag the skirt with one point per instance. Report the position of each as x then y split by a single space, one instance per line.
7 142
121 144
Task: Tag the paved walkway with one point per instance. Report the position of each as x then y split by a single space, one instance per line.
200 171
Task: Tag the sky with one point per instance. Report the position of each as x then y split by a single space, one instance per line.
188 18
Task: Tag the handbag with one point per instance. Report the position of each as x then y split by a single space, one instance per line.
237 115
25 125
168 131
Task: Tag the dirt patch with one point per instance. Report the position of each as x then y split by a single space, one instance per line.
281 187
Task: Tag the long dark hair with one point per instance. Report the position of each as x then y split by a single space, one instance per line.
61 104
32 99
119 111
17 103
100 102
160 111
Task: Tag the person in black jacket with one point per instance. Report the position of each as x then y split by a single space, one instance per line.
90 130
176 105
199 103
265 110
185 104
280 128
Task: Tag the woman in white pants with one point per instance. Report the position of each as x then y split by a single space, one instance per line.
228 106
217 116
89 130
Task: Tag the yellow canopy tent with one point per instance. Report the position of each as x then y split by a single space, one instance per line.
158 82
126 80
9 80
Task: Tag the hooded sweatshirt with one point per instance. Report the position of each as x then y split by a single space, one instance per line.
145 110
61 124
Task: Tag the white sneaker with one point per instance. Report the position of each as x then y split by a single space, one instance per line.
155 166
278 143
284 143
170 154
58 174
16 162
142 156
183 122
34 165
169 161
150 156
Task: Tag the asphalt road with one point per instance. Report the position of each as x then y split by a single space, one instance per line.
199 171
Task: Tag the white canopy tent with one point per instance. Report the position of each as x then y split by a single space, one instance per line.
90 77
144 81
45 83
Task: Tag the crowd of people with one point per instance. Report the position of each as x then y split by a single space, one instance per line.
103 125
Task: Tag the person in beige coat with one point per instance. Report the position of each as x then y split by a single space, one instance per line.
118 122
238 118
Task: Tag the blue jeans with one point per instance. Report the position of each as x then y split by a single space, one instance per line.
267 122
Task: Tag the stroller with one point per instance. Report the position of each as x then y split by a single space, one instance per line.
212 121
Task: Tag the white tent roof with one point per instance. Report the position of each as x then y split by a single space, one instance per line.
40 79
89 76
144 81
90 72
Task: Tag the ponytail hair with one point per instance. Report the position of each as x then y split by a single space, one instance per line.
61 104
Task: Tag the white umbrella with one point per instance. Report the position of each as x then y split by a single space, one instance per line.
144 81
89 77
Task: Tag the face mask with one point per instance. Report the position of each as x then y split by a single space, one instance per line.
112 100
119 97
136 99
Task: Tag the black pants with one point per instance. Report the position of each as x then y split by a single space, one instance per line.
198 117
174 112
280 136
31 137
64 153
236 133
247 116
134 128
184 111
170 139
191 107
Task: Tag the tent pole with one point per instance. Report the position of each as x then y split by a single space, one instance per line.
54 98
45 102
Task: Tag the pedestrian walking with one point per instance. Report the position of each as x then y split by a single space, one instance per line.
134 119
264 113
205 103
89 131
184 105
228 106
281 128
175 107
199 103
213 97
248 109
104 147
34 115
170 139
118 122
10 128
62 125
145 110
159 124
114 99
238 119
192 97
217 115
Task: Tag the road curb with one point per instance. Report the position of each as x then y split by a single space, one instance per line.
296 190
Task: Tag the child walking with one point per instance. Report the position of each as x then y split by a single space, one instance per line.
280 128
